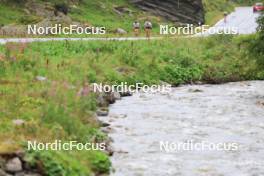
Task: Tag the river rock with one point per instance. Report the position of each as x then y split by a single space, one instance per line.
195 90
117 95
110 150
102 112
126 94
14 165
107 130
101 101
110 97
104 124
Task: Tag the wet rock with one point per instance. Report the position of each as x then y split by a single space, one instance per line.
123 116
121 31
14 165
261 103
108 130
104 99
109 150
126 94
101 101
198 83
117 95
111 120
195 90
110 97
104 124
18 122
102 112
122 152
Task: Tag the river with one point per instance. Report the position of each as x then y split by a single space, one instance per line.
215 114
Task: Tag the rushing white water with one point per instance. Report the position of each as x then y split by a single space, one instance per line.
228 113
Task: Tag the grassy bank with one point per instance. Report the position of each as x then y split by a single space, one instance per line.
52 109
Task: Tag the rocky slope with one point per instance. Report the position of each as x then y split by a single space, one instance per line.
187 11
45 13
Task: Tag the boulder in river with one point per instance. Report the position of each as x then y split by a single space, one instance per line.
126 94
102 112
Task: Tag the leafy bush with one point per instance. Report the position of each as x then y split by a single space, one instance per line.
101 163
56 163
179 75
256 47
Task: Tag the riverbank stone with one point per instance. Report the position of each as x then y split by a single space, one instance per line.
13 165
102 112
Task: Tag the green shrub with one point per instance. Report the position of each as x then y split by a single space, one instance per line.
179 75
57 163
101 163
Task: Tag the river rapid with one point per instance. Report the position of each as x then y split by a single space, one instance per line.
215 114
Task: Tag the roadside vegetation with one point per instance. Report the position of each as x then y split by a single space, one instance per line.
256 45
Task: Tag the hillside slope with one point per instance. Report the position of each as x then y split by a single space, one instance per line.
190 11
15 14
